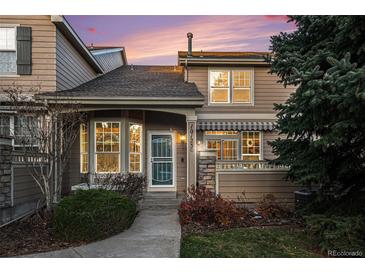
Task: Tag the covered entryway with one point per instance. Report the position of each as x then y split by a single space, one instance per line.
124 106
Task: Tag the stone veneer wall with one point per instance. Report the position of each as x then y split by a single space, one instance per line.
206 171
5 174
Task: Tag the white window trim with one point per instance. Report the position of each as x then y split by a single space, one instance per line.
141 153
221 139
237 137
261 147
14 50
120 148
210 87
252 72
230 90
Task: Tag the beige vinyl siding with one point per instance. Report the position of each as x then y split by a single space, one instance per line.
269 136
71 69
250 187
43 77
181 168
25 189
72 175
266 92
110 61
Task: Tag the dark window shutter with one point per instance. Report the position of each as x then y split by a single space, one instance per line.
24 50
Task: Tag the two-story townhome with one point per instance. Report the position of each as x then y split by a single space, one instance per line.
38 54
206 121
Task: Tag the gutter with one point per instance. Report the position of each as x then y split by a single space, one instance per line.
66 29
193 60
125 100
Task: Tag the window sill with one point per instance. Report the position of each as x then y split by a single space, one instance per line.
231 104
9 75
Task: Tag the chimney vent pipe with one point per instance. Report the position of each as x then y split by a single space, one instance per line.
190 43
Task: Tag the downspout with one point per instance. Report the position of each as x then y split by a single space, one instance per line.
186 71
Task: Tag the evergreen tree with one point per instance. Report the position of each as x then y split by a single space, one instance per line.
324 119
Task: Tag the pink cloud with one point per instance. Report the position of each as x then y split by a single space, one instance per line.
93 30
211 33
281 18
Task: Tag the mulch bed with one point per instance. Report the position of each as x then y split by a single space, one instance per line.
31 234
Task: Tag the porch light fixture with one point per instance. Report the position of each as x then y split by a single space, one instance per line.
182 138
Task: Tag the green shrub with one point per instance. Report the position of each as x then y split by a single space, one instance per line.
92 215
336 232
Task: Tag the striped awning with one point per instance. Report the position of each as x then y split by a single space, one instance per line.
234 125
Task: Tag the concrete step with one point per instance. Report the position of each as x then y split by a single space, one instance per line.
159 195
159 200
156 207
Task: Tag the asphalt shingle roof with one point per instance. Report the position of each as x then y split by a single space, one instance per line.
136 81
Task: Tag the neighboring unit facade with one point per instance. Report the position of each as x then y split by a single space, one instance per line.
206 121
37 54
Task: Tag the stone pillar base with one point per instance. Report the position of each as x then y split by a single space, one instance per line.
5 175
206 167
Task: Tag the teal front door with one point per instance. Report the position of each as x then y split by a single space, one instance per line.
162 165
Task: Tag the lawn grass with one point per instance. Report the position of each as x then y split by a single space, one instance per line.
273 242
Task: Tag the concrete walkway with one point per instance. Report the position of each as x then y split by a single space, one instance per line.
155 233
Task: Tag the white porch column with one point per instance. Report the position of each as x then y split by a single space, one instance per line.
191 150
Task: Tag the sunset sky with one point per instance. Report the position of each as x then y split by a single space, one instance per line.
156 39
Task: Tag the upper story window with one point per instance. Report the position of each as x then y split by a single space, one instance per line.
231 86
8 54
219 86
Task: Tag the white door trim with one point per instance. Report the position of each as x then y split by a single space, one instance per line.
149 163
